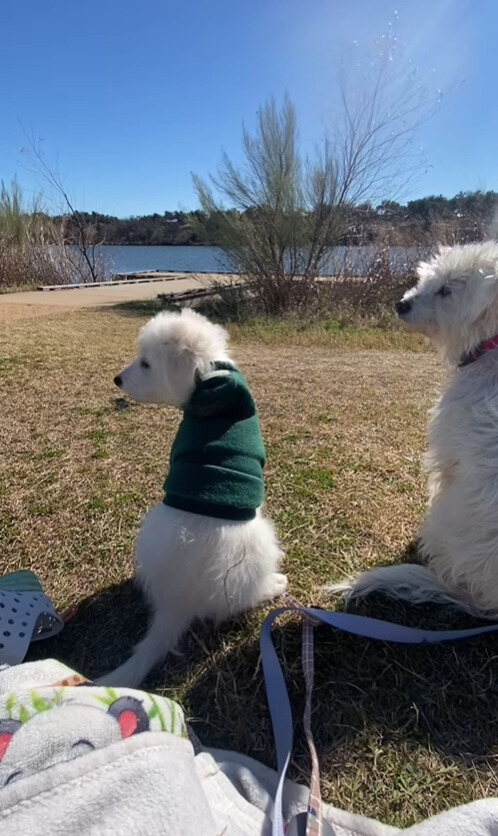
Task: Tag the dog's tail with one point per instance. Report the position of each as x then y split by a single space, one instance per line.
160 639
406 581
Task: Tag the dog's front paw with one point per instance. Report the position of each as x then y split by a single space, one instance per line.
276 585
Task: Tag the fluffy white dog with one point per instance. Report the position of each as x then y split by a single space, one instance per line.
455 304
206 551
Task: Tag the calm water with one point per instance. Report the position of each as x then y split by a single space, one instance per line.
213 260
183 259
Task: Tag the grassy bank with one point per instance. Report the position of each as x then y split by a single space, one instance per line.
380 330
402 733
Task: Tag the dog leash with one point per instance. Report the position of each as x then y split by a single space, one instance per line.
311 822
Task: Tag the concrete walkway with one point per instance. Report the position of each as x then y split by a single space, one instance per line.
91 297
42 303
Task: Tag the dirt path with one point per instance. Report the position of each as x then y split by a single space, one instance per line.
45 303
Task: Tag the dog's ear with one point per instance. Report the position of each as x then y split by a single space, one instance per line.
483 303
490 284
215 334
180 355
181 369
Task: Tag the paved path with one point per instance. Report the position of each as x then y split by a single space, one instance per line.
42 303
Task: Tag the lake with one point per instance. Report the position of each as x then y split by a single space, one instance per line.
213 260
181 259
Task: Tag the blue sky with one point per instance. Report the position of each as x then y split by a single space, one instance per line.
127 98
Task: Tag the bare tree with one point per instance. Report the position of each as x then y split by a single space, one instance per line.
383 101
83 257
286 214
291 209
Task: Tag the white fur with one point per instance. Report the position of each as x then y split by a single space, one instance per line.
459 536
190 566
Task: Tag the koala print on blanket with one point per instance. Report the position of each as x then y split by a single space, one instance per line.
50 725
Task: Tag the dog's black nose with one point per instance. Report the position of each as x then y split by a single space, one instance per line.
118 380
403 307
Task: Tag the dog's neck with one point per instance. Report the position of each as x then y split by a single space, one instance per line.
482 348
215 367
466 344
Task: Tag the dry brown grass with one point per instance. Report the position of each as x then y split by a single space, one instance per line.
402 732
11 313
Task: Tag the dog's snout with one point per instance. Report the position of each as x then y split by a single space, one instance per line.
403 307
118 380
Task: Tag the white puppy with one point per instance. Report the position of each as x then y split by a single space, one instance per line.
192 564
455 303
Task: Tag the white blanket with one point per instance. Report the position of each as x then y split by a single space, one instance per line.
150 781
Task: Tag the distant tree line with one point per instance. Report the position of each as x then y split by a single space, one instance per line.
170 228
466 216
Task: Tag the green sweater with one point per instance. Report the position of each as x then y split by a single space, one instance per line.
218 456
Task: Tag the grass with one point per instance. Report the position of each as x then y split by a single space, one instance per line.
379 332
18 288
402 733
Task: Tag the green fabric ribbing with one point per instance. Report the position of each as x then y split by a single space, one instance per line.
218 456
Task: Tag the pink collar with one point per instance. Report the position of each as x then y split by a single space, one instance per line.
482 348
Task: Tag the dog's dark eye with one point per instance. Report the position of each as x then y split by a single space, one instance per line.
444 291
144 364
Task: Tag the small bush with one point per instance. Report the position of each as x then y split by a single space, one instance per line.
384 278
231 303
365 289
